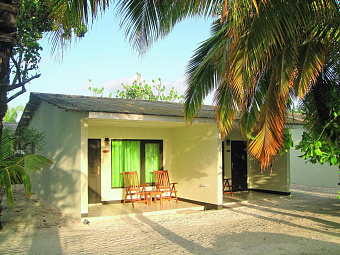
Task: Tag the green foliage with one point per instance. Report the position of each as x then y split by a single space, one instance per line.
141 90
15 169
29 140
33 21
95 91
287 141
321 109
319 150
12 113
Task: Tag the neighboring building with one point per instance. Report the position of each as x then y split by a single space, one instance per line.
86 138
306 173
10 125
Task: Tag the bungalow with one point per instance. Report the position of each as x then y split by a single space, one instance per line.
88 137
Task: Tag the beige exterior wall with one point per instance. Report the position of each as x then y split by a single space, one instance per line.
306 173
60 184
197 163
278 181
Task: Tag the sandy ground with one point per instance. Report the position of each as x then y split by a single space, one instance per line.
308 222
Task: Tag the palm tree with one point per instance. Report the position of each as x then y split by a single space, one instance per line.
16 170
12 113
261 55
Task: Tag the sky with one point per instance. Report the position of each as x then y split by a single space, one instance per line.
105 56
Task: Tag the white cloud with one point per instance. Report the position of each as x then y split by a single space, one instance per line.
114 85
179 85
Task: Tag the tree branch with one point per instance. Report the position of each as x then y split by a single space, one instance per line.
21 84
18 72
22 91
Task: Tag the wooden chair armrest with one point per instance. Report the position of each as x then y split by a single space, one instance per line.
173 184
144 186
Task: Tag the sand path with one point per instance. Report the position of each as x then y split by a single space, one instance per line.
308 222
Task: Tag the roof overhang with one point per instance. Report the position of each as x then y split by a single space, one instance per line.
146 118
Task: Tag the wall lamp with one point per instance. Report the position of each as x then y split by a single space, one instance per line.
107 141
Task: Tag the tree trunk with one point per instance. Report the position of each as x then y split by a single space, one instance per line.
1 197
8 14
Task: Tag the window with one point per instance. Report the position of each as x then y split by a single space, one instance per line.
143 156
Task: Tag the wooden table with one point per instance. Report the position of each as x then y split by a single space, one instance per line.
154 193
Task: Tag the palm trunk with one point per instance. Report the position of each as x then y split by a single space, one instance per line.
1 197
8 15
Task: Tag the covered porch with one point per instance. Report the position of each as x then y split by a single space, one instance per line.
191 154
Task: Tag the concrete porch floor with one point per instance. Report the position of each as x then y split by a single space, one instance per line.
119 210
248 196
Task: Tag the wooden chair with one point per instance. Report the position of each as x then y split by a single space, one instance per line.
133 187
227 188
163 183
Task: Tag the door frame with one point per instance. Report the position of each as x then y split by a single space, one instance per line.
98 175
245 179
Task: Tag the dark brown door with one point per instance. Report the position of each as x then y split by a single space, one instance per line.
94 168
239 166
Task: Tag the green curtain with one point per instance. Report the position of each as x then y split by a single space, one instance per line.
125 158
152 161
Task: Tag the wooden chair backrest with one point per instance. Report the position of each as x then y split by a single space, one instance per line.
162 179
131 180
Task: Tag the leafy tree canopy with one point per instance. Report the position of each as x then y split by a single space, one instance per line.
321 109
141 90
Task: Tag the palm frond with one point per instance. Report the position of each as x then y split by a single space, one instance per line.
312 57
20 175
250 114
204 70
269 134
12 113
272 117
6 147
15 170
226 107
6 184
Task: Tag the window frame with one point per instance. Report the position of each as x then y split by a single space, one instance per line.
142 157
